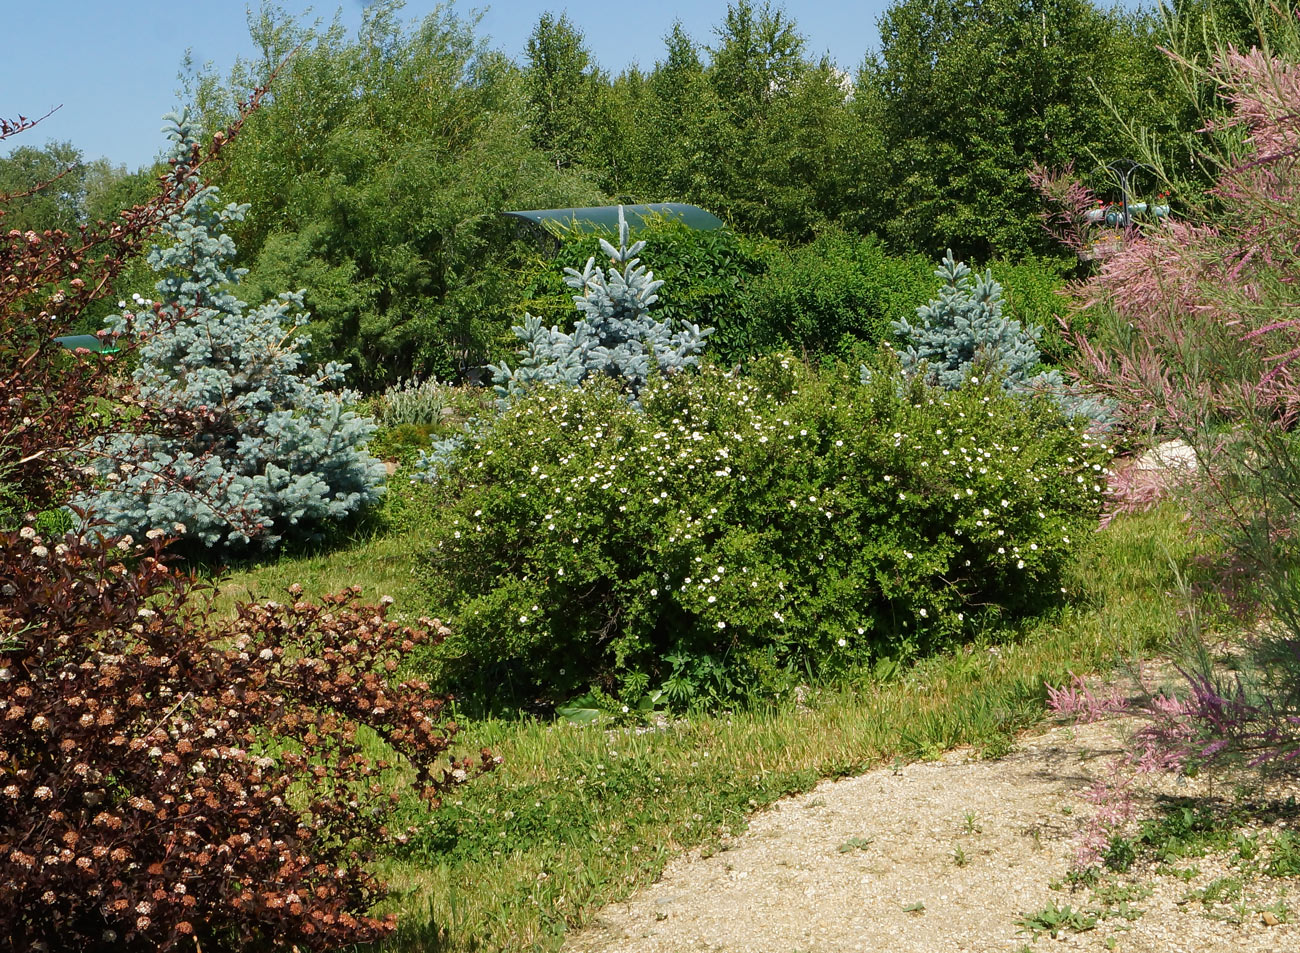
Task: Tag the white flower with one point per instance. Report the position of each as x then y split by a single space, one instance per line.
523 618
923 613
1020 564
842 643
654 592
722 625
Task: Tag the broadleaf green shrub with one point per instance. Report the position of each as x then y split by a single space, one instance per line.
823 297
744 531
705 273
837 295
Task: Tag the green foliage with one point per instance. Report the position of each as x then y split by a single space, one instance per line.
277 452
561 88
837 295
50 187
830 296
413 401
706 274
743 532
616 336
1054 920
967 97
377 175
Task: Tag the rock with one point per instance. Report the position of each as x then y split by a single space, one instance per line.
1170 455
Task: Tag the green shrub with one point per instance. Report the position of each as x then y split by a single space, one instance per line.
826 297
705 273
413 402
1031 294
835 296
744 532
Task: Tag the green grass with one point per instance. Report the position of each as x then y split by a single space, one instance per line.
579 816
379 563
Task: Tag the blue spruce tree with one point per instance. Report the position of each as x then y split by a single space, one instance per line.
963 332
282 452
616 336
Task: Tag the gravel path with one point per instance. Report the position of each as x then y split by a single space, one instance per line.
931 858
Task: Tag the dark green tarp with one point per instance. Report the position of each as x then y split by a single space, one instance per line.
605 217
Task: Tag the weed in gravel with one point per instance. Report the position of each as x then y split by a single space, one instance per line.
1112 893
917 908
1284 855
1275 913
972 825
1123 910
855 843
1220 890
959 856
1054 920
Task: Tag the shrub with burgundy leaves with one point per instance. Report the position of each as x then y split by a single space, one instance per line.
163 777
169 780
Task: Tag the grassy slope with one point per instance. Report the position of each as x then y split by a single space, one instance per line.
580 816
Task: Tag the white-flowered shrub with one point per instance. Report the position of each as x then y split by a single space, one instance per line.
741 532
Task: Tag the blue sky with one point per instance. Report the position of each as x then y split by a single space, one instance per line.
114 67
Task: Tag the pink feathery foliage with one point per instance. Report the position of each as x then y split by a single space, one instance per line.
1210 724
1068 202
1134 489
1077 700
1114 806
1221 288
1200 338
